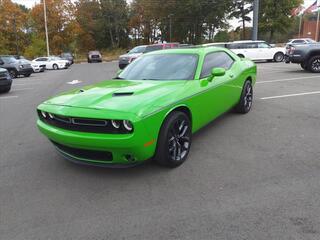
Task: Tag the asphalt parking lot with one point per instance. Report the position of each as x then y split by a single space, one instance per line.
254 176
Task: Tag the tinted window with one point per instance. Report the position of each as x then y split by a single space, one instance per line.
214 60
162 67
153 48
298 41
41 59
249 45
8 59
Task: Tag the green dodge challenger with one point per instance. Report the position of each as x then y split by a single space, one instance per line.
151 109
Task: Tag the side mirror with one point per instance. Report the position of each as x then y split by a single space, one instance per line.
216 72
128 51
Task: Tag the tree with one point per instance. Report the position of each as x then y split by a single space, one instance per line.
275 16
241 10
13 27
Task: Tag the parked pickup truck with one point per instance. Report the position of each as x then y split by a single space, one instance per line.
307 55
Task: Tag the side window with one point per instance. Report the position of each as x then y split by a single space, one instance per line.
263 45
298 41
214 60
251 45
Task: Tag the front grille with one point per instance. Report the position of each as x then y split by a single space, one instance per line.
86 154
95 56
82 124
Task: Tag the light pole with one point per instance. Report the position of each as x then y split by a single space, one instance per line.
255 20
46 26
170 25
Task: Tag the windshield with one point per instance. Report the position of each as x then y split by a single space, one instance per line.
8 59
311 41
139 49
153 48
162 67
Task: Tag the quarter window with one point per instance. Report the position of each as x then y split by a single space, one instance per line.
214 60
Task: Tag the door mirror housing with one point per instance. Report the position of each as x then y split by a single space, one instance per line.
216 72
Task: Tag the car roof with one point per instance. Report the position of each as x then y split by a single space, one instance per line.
200 50
248 41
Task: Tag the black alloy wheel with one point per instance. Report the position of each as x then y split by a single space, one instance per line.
246 99
174 141
314 64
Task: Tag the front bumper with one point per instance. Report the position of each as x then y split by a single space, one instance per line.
293 58
5 83
25 71
125 149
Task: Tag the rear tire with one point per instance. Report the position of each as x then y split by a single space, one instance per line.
314 64
278 57
245 103
174 140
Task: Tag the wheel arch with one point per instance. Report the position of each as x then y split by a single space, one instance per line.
181 108
312 54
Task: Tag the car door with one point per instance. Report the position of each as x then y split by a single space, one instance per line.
218 95
265 51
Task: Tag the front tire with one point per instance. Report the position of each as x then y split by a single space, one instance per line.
5 90
304 66
245 103
55 67
13 73
314 64
174 140
278 57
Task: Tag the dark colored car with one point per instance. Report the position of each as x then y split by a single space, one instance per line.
67 56
15 67
136 52
5 80
94 56
307 55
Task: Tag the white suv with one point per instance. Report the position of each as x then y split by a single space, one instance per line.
257 50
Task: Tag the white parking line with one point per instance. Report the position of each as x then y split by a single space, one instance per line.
22 84
21 89
290 95
287 79
7 97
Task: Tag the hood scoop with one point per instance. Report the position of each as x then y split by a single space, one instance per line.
122 94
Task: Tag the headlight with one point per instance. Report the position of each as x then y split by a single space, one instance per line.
127 125
44 114
115 124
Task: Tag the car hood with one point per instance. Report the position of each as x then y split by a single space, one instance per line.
138 97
